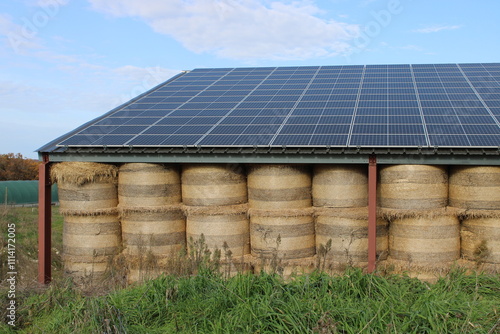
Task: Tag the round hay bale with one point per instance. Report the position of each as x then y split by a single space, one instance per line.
145 185
274 187
273 234
157 232
340 186
475 187
348 231
211 184
90 242
481 239
417 187
85 187
425 241
223 229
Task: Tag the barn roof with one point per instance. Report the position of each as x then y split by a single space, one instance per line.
423 109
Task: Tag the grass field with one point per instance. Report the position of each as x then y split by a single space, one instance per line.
209 303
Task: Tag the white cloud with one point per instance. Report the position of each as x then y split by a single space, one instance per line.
245 29
436 28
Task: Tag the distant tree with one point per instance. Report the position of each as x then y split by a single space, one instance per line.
16 167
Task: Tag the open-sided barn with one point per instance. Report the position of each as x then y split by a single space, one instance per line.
361 165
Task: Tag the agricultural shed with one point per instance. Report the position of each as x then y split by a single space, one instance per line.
306 152
22 192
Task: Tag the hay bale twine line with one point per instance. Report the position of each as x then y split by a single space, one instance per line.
212 185
274 187
417 187
146 185
340 186
476 187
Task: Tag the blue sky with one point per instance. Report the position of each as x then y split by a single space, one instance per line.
65 62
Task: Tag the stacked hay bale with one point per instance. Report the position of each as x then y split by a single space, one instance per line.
475 190
153 225
424 238
340 197
281 221
215 203
88 201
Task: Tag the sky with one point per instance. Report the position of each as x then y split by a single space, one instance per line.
65 62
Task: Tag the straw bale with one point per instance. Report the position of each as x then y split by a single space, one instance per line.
273 187
90 243
423 241
340 186
418 187
143 185
213 185
88 197
475 187
85 236
287 237
219 230
349 236
159 233
481 239
81 173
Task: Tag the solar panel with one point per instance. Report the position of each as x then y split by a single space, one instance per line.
455 105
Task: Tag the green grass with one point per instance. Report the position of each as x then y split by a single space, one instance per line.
209 303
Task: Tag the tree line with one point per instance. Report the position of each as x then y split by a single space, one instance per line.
15 167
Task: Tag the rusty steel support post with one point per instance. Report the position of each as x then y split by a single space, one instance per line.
372 213
44 222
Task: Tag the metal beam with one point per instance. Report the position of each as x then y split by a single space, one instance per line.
215 157
372 213
44 222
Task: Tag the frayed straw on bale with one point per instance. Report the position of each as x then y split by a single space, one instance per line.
342 236
215 210
432 240
80 173
85 187
475 187
212 184
157 232
274 187
223 229
392 214
88 241
481 239
418 187
340 186
282 234
143 185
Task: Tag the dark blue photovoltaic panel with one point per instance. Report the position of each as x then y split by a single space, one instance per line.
456 105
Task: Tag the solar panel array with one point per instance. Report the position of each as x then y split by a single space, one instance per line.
444 105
